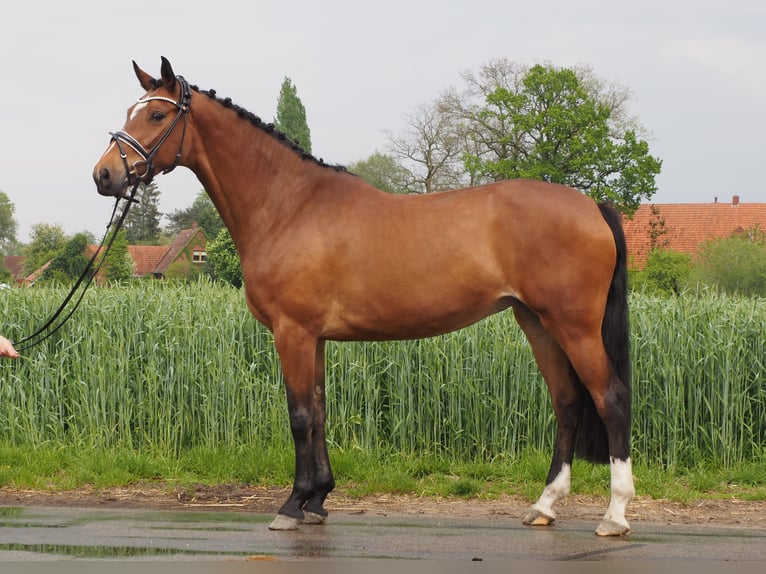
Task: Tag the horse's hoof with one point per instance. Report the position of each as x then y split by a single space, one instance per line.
537 518
610 527
313 518
282 522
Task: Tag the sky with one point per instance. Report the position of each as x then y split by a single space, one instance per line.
696 71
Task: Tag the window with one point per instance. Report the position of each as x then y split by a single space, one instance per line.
199 256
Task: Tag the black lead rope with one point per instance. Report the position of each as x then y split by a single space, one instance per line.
85 279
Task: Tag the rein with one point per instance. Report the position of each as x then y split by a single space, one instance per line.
85 279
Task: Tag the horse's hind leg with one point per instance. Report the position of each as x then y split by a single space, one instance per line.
566 396
611 398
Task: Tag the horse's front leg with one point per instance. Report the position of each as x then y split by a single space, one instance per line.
314 511
298 352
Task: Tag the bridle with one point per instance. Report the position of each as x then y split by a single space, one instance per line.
147 157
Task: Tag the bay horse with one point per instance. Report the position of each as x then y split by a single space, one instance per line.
326 256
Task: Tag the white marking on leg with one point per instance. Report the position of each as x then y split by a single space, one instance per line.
623 491
555 491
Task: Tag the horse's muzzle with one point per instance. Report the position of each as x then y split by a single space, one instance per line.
110 183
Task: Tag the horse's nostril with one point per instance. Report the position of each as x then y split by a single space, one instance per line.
104 176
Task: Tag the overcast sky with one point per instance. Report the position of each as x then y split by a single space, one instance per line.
696 70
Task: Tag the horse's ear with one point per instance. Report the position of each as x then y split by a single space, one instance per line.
168 77
146 81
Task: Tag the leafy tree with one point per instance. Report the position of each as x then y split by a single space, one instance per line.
118 265
202 212
384 172
291 116
142 224
8 225
736 264
666 271
558 132
47 241
561 125
223 259
69 264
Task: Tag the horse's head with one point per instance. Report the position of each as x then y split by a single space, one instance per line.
151 139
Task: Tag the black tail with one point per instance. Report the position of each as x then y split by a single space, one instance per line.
592 443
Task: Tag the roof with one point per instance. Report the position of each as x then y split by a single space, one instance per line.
15 264
146 257
178 244
684 226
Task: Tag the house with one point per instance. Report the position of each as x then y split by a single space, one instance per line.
15 264
184 255
684 226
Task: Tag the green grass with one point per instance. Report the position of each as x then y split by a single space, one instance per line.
357 473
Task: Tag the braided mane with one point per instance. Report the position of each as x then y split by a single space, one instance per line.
269 128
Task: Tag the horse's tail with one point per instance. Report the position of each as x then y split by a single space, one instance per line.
592 443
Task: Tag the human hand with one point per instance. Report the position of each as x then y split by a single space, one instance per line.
7 349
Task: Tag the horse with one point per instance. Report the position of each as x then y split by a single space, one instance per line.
326 256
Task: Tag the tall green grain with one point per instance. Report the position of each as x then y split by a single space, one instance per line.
171 367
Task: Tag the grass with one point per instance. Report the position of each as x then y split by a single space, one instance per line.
358 474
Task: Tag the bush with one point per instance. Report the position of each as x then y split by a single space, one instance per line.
734 265
223 259
666 271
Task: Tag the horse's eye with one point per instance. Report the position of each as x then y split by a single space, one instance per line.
157 116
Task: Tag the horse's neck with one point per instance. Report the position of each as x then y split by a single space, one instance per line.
252 178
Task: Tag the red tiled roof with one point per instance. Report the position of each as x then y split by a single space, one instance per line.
686 225
15 264
146 257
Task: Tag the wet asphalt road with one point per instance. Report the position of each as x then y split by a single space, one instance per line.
46 533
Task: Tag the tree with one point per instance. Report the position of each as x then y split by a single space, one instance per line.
69 264
223 259
202 212
117 264
291 116
555 124
385 173
47 241
432 144
8 225
559 133
657 230
142 224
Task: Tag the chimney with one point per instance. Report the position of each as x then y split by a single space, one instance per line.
735 200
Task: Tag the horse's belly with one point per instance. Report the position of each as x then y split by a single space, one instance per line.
410 319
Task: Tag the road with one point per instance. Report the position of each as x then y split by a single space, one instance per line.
52 533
